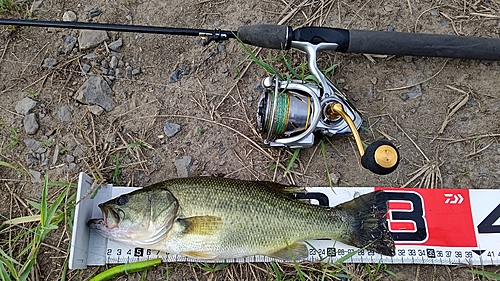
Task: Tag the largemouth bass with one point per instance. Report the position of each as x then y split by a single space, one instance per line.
218 218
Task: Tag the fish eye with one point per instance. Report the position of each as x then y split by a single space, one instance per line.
122 200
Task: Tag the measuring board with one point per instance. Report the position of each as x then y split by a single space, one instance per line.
429 226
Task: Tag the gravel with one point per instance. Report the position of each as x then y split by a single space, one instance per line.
171 129
96 91
30 124
64 113
91 38
183 166
25 105
68 45
69 16
115 45
49 62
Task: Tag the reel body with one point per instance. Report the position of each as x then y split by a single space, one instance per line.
290 112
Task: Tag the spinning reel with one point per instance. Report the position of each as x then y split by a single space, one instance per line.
291 112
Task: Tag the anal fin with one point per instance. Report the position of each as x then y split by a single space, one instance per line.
293 252
202 255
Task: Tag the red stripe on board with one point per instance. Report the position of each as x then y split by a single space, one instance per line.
446 212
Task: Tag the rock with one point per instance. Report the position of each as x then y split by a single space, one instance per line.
113 62
105 64
175 76
79 151
49 62
55 155
37 5
34 145
183 165
128 72
171 129
36 176
95 90
412 93
68 45
69 16
64 113
70 158
30 124
94 13
89 8
91 38
90 56
25 105
136 71
96 110
115 45
86 68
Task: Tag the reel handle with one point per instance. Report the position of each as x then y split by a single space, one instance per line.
380 157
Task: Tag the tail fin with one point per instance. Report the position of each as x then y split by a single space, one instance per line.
366 224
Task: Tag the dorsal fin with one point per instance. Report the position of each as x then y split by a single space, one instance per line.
288 190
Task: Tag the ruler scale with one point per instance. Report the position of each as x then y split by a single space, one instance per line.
429 226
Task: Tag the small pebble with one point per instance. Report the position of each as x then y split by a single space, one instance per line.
94 13
89 8
136 71
113 46
128 73
105 64
69 16
96 110
86 68
175 76
171 129
113 62
49 62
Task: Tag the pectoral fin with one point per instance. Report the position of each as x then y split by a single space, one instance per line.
293 252
202 225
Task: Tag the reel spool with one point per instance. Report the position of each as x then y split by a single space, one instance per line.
290 112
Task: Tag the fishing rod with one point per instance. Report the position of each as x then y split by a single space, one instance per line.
290 112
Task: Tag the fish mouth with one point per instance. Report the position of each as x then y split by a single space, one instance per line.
111 217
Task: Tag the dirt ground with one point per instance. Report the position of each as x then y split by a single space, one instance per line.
209 99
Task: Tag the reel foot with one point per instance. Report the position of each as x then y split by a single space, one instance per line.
380 157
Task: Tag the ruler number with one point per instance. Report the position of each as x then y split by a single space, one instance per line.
487 225
491 254
412 252
439 254
421 253
458 254
148 252
118 252
313 252
468 254
448 254
109 251
129 252
401 252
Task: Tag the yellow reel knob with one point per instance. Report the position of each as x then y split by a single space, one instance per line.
380 157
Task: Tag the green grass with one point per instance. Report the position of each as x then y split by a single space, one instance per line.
18 266
486 274
14 140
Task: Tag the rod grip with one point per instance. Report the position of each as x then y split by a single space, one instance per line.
270 36
421 44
